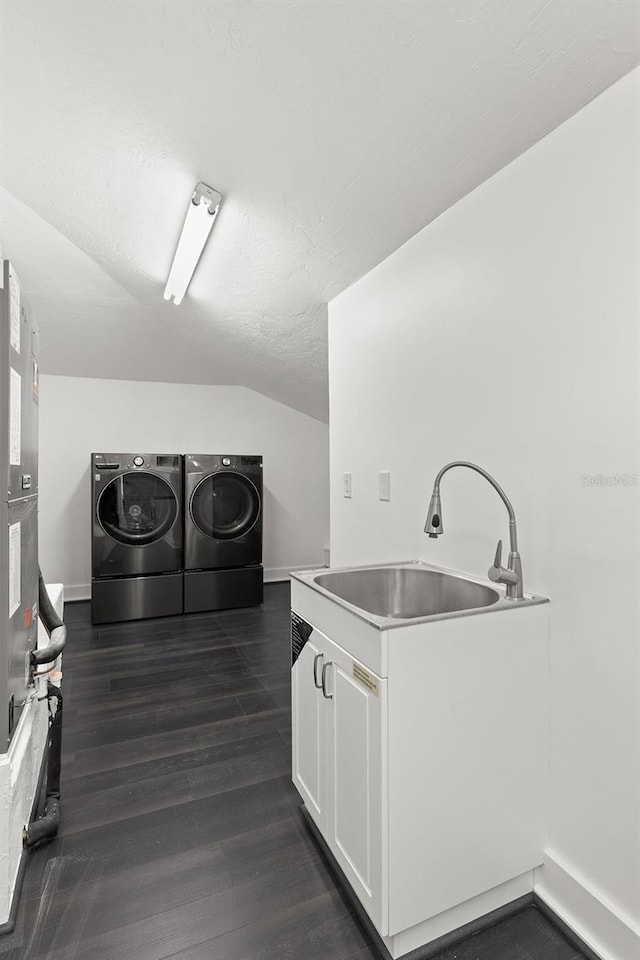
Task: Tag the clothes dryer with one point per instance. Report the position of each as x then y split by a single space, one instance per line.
223 531
137 507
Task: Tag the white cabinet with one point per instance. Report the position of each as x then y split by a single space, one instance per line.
356 772
420 754
339 764
309 747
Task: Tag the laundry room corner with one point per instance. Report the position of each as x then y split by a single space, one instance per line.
81 415
320 438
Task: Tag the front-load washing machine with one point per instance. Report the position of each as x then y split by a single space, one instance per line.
223 531
137 536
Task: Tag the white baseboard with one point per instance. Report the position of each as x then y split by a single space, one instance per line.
82 591
599 923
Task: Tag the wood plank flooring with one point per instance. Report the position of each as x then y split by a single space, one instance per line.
182 837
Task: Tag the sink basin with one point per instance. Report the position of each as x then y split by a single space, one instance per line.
406 592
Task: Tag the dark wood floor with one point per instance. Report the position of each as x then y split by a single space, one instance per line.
182 836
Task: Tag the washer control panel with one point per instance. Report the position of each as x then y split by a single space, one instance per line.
138 461
237 463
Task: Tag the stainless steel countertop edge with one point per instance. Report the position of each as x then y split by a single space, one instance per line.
393 623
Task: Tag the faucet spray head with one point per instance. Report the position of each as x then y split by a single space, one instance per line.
433 526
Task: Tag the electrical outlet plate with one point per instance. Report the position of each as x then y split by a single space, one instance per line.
384 485
346 484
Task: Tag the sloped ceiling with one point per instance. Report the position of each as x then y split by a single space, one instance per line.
334 130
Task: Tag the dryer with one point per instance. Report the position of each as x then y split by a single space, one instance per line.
137 507
223 531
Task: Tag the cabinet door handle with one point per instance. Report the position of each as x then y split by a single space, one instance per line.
317 657
325 667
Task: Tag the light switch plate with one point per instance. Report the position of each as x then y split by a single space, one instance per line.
346 484
384 485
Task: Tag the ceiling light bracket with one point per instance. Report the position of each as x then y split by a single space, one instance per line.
211 197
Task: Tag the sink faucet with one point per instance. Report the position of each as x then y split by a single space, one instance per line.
512 575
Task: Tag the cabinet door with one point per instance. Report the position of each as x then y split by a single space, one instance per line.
356 810
308 721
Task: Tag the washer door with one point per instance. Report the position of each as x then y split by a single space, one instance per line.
137 508
225 506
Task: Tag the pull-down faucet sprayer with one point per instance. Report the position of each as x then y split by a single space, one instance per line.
512 575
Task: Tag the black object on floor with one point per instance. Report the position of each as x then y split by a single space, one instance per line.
182 836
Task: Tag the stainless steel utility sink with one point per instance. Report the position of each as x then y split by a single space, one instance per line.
406 592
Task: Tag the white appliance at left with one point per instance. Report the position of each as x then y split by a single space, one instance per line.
18 499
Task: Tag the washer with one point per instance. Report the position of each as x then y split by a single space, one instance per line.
136 553
223 531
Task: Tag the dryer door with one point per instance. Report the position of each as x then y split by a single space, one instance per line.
225 506
137 509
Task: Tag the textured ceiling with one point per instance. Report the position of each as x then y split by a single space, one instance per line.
335 131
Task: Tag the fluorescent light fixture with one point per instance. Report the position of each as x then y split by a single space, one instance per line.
201 215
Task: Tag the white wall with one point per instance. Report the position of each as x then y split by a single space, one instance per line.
506 333
78 416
